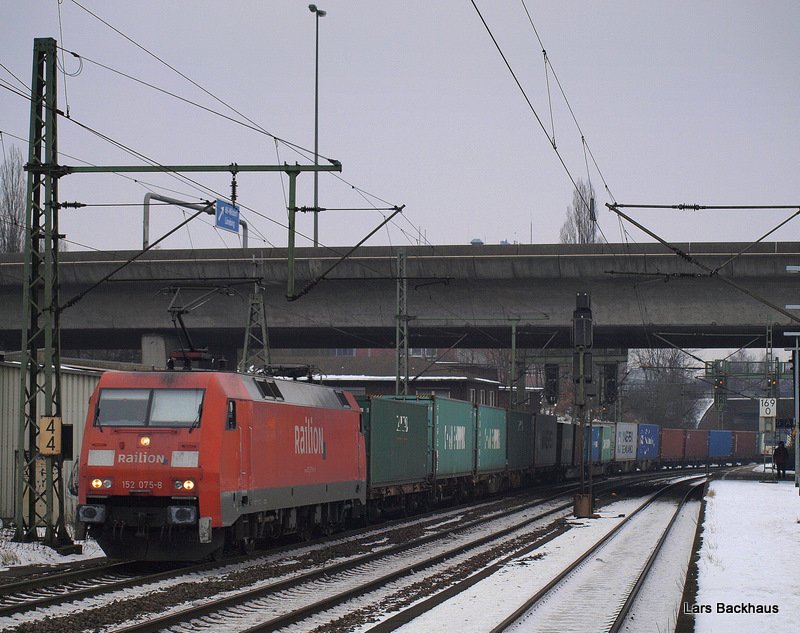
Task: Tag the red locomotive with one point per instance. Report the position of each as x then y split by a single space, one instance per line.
178 465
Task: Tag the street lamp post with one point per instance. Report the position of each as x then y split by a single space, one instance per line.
319 13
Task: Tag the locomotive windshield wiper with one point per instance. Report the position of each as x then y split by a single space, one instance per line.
97 418
196 422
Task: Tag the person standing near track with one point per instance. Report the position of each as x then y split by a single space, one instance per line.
779 457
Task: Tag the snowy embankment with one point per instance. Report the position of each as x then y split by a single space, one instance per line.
748 569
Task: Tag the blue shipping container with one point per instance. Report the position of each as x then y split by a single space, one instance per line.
648 445
595 443
720 443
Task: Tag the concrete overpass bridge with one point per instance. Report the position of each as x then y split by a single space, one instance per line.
642 295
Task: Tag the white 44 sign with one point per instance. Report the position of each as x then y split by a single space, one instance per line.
767 407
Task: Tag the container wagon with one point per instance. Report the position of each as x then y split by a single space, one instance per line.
452 425
607 445
625 446
745 446
566 447
673 446
720 444
490 448
696 447
520 447
545 457
648 446
396 436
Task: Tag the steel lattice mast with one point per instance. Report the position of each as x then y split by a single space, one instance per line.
40 486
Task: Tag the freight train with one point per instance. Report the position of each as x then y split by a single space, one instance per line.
179 465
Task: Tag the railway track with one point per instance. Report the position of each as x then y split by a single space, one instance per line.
45 591
597 591
317 585
54 589
325 597
284 603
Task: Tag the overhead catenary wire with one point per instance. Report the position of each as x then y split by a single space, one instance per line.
146 159
711 272
566 100
248 124
255 125
83 293
533 109
22 83
63 64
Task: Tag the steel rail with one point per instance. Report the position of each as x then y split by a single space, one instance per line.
238 600
619 621
538 596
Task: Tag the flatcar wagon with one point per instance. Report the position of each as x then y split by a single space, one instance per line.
397 436
177 465
720 444
520 446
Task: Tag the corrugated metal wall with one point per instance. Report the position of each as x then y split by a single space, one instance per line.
76 387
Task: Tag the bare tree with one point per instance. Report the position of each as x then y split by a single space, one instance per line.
12 202
580 226
661 388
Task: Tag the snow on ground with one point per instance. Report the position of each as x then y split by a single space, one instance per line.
749 556
487 603
14 554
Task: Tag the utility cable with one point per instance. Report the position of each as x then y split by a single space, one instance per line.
533 110
247 125
564 95
63 64
181 177
707 269
251 126
82 294
22 83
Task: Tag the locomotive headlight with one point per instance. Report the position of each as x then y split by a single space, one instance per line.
186 484
106 483
144 440
97 483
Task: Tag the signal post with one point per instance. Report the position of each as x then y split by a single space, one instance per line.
582 340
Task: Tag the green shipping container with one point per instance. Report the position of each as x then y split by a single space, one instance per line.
520 440
491 439
453 437
396 435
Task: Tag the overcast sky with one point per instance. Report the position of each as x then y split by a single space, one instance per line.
679 102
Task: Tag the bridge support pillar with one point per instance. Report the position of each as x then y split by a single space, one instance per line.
156 349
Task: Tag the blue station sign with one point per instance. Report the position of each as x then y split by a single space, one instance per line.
227 216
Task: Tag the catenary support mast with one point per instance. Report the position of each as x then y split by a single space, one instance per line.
39 499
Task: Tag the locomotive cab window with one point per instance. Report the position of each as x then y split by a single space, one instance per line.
342 399
149 407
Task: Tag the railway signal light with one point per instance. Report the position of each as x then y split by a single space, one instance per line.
582 337
720 392
608 394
